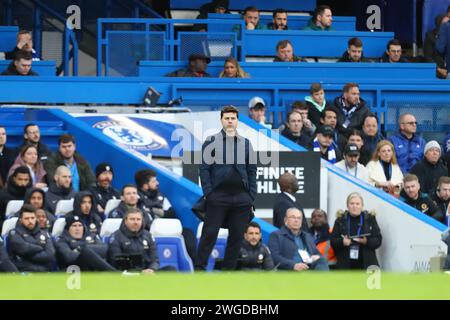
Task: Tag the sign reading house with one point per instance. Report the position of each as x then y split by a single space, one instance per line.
304 165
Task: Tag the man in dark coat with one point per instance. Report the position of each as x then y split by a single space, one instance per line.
7 157
6 264
21 65
441 196
293 130
430 168
132 247
82 175
295 250
78 247
228 176
254 255
198 63
84 207
103 191
17 186
286 199
60 189
30 248
32 136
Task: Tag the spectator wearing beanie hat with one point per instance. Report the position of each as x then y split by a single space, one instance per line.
103 190
430 168
77 247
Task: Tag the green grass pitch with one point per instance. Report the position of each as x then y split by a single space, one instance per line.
176 286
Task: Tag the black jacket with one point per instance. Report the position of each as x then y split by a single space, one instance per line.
92 221
302 140
12 71
356 119
31 250
7 158
187 73
50 217
68 249
125 242
370 143
121 210
424 204
314 114
102 195
212 175
441 204
6 264
346 58
429 48
255 257
429 174
281 205
367 252
11 192
54 194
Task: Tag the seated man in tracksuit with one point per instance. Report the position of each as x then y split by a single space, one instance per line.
130 199
30 248
254 255
84 207
77 247
133 247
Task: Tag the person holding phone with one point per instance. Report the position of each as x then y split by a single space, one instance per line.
355 236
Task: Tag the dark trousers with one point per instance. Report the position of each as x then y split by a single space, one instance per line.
91 261
234 210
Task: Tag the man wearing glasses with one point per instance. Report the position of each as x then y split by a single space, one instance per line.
408 144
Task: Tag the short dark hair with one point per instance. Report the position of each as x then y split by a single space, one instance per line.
66 138
253 225
278 10
229 109
355 42
26 208
319 11
283 44
354 132
290 113
22 170
332 109
315 87
25 129
371 115
132 211
350 85
299 105
24 32
393 42
251 8
22 54
141 177
128 185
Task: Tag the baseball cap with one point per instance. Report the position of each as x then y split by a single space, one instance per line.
256 102
326 130
351 149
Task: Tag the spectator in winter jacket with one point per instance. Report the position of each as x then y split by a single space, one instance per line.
21 65
36 197
393 52
370 134
285 52
103 190
323 143
409 145
316 103
293 130
7 157
61 189
82 175
354 52
441 196
431 168
32 135
279 22
321 232
321 20
84 207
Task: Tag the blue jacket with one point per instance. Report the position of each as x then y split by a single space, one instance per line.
283 247
213 174
408 152
443 42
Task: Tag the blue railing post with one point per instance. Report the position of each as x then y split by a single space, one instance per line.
99 47
66 54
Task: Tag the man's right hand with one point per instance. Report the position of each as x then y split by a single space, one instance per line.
300 267
347 241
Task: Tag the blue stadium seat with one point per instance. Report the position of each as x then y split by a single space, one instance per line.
219 249
58 228
8 225
170 243
109 226
13 207
63 207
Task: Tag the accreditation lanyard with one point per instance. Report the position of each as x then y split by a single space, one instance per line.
360 224
356 170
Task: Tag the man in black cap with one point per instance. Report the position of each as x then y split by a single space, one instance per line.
351 164
103 191
30 248
197 67
323 143
78 247
216 6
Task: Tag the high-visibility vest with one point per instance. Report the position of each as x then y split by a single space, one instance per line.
327 251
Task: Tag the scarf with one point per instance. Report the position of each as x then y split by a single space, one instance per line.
331 150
